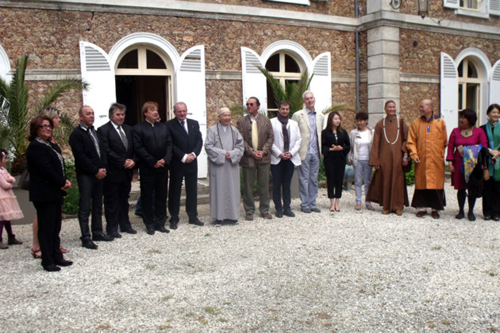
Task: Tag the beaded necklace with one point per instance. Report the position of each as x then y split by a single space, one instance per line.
385 134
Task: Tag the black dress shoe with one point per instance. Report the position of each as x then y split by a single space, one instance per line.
197 222
102 237
64 263
315 210
52 268
279 214
288 213
115 235
161 228
87 243
471 216
496 218
151 231
130 231
305 210
487 217
173 225
460 215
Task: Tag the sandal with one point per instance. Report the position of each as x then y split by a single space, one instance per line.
63 250
37 254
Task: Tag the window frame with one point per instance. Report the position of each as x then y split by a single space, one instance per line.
295 2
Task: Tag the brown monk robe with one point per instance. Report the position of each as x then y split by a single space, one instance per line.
388 186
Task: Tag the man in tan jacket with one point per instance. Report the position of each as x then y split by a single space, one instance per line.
257 134
310 126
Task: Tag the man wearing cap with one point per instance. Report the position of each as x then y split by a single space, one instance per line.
257 133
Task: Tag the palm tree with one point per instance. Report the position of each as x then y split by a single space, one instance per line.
14 109
292 92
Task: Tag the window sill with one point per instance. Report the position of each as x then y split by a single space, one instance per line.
473 13
296 2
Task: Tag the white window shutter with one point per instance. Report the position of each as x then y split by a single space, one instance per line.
495 84
321 83
191 89
99 73
253 81
494 7
449 92
450 4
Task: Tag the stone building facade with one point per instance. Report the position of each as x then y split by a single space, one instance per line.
204 52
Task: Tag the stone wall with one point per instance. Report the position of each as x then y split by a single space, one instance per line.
411 96
424 56
438 12
332 7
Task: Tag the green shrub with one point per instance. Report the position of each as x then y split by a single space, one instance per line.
72 199
410 175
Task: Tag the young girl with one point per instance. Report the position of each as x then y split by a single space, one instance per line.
9 208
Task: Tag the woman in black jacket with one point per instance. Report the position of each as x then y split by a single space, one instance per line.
48 185
335 146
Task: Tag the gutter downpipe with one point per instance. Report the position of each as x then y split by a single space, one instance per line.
356 15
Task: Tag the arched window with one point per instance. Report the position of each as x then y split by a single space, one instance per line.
284 67
469 86
143 74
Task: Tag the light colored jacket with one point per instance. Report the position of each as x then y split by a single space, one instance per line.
278 145
305 130
354 138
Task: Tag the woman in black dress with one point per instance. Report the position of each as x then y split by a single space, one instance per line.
335 146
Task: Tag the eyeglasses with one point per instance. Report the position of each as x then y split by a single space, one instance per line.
45 126
249 104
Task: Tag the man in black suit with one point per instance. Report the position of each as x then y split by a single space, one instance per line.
90 171
118 145
153 148
187 143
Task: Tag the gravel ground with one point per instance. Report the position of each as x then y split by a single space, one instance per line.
342 272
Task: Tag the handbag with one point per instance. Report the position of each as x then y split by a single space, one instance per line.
24 180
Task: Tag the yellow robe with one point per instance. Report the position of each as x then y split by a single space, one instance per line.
428 141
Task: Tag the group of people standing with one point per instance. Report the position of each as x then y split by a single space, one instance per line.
105 159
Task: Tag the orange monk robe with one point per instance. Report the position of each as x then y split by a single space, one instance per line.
427 140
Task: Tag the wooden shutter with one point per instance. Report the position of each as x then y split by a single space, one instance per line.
191 89
98 72
494 7
495 84
449 92
321 83
253 81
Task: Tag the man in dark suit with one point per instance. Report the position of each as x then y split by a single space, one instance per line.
153 148
118 145
187 143
90 171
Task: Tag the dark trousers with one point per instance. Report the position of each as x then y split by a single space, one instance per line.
491 198
116 205
90 198
154 213
174 195
334 169
49 225
282 179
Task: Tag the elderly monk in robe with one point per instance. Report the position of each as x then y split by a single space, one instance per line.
224 146
426 144
388 156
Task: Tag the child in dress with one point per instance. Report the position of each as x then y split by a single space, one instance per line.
9 207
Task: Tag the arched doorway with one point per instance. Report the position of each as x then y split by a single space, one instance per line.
143 74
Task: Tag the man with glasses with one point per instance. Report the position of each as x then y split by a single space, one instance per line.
90 162
257 133
310 126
